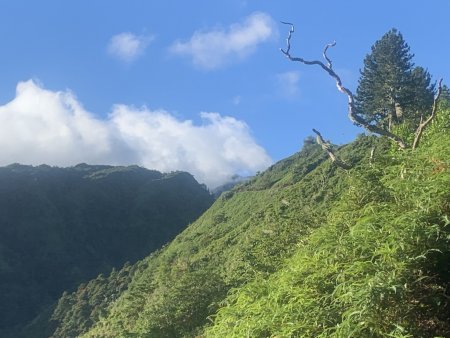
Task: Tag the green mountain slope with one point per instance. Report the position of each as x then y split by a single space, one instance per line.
304 249
63 226
377 267
248 232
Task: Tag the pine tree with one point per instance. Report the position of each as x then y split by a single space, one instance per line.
421 95
391 89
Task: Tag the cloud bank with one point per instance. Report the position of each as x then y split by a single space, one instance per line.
41 126
127 46
215 48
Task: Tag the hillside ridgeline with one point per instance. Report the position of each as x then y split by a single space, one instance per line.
63 226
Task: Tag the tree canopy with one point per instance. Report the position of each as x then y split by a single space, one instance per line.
391 90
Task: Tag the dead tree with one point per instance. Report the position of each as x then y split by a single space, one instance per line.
328 148
423 124
352 114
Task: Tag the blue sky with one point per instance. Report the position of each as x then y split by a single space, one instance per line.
189 85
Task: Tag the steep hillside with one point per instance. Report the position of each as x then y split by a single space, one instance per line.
304 249
63 226
248 232
377 267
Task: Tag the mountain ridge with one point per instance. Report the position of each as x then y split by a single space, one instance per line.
62 226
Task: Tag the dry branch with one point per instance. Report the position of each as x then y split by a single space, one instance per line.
372 153
422 125
325 56
353 116
329 150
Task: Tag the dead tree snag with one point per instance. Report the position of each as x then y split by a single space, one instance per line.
327 147
352 114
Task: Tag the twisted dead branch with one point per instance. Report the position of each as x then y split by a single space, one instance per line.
352 114
327 147
423 124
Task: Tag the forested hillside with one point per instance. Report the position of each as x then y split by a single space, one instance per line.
63 226
305 249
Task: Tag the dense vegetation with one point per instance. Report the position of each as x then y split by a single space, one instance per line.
62 226
304 249
376 267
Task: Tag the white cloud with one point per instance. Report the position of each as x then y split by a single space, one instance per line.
288 83
218 47
213 151
127 46
41 126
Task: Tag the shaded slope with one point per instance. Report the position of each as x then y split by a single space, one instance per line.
62 226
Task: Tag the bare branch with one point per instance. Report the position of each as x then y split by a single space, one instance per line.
372 153
288 40
353 116
422 125
330 64
329 150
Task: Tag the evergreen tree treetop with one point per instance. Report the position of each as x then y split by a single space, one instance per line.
391 89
